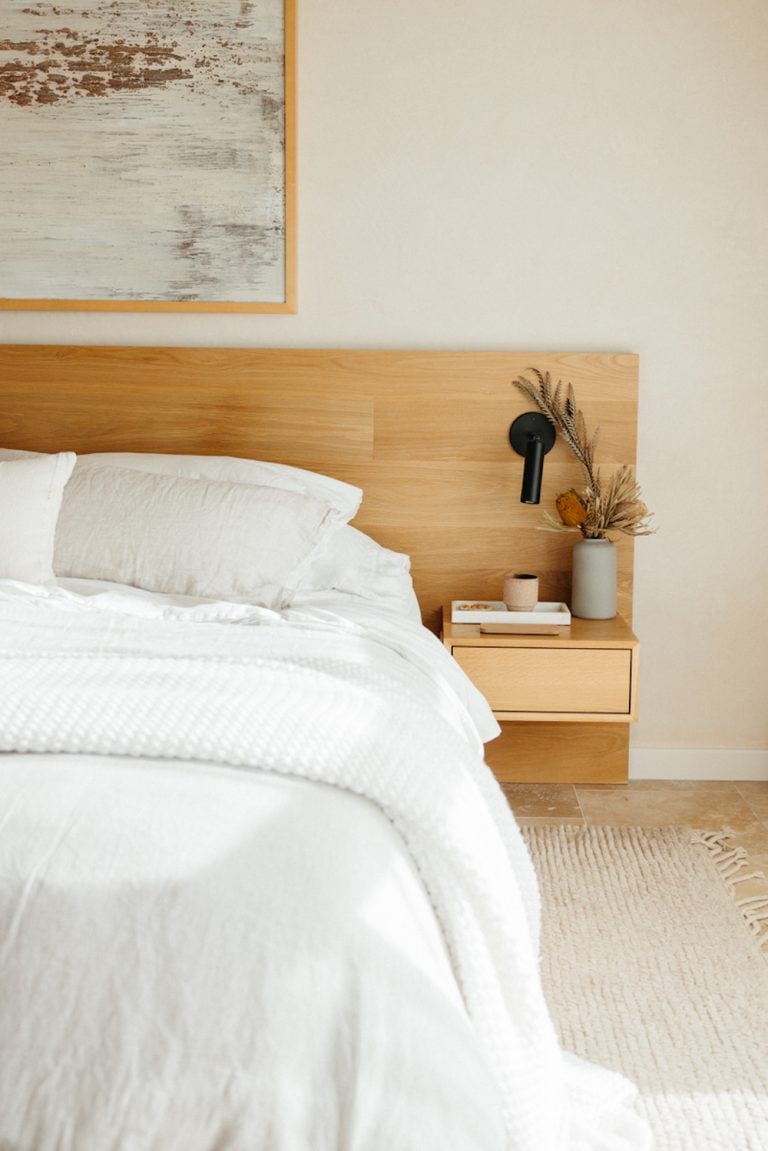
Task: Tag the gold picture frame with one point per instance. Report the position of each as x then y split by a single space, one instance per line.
150 156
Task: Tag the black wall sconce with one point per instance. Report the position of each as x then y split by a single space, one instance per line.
532 436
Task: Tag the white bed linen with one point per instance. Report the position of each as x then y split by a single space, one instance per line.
204 958
206 946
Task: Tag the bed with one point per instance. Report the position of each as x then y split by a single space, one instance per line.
258 888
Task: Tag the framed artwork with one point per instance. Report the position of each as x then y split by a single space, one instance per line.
148 155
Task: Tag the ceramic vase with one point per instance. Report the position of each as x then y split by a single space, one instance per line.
593 586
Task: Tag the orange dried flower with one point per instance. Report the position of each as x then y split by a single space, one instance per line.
571 509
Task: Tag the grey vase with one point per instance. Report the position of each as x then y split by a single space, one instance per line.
593 587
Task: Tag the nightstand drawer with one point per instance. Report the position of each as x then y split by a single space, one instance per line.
550 681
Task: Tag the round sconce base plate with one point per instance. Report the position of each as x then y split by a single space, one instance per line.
528 425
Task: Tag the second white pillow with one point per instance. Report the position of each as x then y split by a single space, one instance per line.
208 538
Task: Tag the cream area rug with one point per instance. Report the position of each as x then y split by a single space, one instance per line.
651 968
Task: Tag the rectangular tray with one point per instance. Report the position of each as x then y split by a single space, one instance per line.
520 628
496 612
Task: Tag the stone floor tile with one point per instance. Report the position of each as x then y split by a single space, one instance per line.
550 821
756 794
550 800
665 803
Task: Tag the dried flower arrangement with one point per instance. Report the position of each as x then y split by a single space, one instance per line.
600 508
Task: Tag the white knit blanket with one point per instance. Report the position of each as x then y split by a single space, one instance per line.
362 710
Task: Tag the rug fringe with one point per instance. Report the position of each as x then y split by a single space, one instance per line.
733 865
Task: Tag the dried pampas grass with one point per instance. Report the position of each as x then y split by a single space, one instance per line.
602 507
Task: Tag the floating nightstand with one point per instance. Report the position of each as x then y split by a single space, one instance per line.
564 701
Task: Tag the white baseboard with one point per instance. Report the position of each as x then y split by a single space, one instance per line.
697 763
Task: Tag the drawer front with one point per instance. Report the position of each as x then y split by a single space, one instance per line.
549 680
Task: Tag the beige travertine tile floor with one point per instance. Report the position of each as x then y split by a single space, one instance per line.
710 806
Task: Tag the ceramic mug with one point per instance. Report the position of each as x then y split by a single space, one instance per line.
521 591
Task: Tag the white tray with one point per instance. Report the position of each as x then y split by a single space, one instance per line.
496 612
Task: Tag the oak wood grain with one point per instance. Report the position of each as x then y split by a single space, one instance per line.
560 753
424 433
551 683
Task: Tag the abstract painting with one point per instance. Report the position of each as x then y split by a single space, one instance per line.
148 155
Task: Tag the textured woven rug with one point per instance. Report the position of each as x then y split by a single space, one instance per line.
651 968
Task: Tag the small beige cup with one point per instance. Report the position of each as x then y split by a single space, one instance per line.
521 591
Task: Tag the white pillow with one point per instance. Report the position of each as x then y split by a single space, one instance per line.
17 454
31 488
344 497
347 560
166 533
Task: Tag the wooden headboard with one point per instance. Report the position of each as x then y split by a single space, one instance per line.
423 433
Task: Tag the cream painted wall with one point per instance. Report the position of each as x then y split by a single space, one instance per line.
569 174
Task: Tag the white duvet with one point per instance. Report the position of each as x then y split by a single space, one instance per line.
259 892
